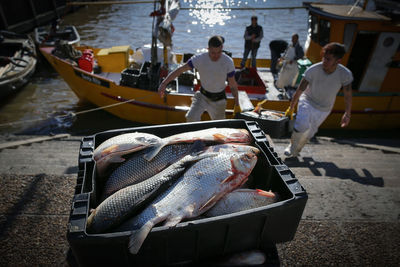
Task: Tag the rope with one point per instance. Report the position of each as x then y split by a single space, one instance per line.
71 114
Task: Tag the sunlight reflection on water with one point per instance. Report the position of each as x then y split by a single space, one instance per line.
212 12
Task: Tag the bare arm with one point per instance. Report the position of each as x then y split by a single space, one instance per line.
347 101
171 76
302 86
234 89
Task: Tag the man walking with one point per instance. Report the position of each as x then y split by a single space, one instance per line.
316 96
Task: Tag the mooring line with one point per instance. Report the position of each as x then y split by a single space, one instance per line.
73 114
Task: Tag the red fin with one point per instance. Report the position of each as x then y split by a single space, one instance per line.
265 193
219 137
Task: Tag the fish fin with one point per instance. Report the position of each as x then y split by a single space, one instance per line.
208 204
137 238
108 150
265 193
228 179
219 137
153 151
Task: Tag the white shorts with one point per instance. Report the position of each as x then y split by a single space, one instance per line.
309 118
200 104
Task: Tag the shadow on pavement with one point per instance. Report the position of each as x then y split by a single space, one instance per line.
332 170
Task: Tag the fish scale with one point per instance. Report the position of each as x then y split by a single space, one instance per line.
129 199
196 191
137 169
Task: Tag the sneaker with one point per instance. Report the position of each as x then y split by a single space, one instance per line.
288 152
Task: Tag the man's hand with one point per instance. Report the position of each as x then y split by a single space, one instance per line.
345 120
236 110
289 113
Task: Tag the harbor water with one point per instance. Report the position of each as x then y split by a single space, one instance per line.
46 104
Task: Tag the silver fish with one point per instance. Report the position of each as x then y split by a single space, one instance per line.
202 185
112 150
214 135
241 199
136 169
128 200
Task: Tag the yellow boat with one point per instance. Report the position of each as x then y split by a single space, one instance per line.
371 40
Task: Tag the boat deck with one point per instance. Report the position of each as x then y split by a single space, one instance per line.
273 93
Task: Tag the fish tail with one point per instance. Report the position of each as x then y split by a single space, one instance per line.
137 238
154 151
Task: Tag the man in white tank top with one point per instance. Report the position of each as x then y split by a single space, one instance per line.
215 67
316 96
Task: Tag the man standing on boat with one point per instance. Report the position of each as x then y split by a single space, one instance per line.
277 47
214 67
252 36
289 71
316 96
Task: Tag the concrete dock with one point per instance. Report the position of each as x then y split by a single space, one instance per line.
352 217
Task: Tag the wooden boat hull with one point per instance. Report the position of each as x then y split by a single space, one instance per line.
375 111
18 51
68 34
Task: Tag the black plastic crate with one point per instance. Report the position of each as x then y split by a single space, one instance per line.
130 77
276 128
198 239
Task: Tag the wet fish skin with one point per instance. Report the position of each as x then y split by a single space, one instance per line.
231 147
195 192
128 200
136 169
214 135
112 150
240 200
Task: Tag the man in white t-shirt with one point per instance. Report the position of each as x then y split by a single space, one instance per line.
214 67
316 96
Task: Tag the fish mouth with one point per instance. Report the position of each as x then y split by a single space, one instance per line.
244 162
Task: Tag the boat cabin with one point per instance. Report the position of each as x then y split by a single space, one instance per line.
372 43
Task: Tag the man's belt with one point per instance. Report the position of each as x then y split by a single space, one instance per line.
213 96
